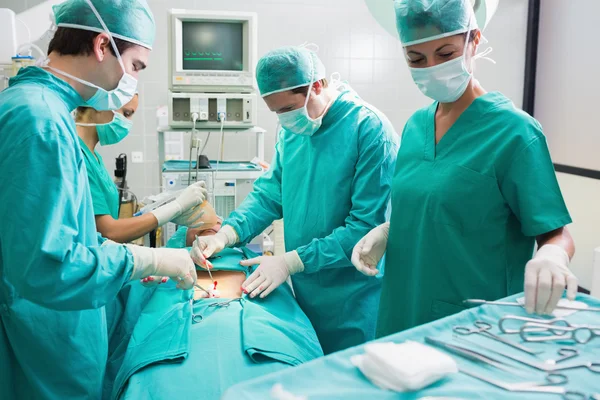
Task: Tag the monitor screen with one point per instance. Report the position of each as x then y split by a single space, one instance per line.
212 46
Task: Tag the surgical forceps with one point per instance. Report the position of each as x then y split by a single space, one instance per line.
552 365
469 354
515 304
201 288
207 263
550 385
508 318
581 334
483 328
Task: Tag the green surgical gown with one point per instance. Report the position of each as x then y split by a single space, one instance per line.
54 276
105 195
465 212
331 189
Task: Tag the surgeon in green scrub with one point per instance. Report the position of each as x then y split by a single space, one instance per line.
473 191
329 180
107 128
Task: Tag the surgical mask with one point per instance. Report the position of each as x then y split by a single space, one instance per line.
446 82
298 121
112 132
105 100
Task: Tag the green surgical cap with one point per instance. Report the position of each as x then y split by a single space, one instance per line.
288 68
421 21
129 20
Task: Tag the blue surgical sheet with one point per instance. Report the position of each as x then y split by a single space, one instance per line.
170 354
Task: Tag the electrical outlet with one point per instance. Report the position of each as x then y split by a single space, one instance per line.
137 157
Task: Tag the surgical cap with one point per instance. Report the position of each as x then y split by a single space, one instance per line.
129 20
288 68
421 21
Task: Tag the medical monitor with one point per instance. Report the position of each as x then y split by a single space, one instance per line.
212 51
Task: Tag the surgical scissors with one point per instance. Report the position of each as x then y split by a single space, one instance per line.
550 385
483 328
509 318
581 334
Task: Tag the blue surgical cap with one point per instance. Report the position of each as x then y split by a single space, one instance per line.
129 20
421 21
288 68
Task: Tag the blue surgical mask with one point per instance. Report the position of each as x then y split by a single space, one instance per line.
444 82
112 132
447 82
298 121
105 100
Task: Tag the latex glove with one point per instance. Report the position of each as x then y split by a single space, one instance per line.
173 263
190 218
272 271
546 277
205 246
192 196
370 249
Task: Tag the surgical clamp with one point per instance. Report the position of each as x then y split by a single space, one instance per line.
483 328
225 304
515 304
581 334
469 354
550 385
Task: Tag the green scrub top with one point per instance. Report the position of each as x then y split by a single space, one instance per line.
331 189
465 212
105 195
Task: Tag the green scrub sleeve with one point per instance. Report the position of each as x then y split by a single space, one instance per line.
531 189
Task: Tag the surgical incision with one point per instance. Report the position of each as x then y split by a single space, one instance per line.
228 284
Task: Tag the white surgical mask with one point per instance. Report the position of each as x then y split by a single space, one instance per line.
446 82
105 100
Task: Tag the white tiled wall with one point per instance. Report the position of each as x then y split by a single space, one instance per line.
351 42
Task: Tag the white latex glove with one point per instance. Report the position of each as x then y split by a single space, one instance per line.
546 277
190 218
157 263
205 246
192 196
370 249
272 272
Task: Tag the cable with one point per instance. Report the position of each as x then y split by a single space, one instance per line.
26 27
194 119
221 146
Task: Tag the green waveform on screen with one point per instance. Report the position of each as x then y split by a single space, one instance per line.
202 56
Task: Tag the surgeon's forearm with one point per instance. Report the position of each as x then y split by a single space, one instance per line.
125 230
560 237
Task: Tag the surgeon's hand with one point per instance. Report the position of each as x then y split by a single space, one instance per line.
190 218
158 263
205 246
370 249
192 196
546 277
272 271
